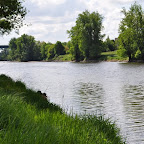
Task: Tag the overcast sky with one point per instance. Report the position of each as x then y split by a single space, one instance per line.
49 20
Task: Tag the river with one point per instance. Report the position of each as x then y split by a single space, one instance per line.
112 89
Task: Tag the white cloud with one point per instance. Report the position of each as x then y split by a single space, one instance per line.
45 3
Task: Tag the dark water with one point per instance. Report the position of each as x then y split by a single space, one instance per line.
110 88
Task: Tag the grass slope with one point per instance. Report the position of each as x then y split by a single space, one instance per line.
63 58
111 56
27 118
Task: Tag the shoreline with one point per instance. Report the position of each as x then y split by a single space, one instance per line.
87 61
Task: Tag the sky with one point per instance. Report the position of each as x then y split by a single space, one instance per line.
49 20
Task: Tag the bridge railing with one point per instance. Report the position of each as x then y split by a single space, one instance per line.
4 46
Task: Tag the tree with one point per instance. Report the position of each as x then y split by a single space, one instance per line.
43 50
86 35
12 14
131 38
74 44
24 48
37 51
4 54
50 51
59 48
12 49
109 45
127 44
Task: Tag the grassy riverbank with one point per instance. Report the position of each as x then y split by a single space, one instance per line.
111 56
63 58
105 56
26 117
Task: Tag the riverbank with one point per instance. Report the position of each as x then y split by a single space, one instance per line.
27 117
110 56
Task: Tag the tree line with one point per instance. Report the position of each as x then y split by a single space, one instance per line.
86 40
26 48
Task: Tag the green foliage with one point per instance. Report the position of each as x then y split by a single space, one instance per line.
25 118
50 51
109 45
63 58
112 56
43 50
25 48
4 55
59 49
86 38
12 14
138 54
131 38
13 47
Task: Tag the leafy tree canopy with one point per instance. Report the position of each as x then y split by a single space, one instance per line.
24 48
59 48
109 45
86 36
12 14
131 38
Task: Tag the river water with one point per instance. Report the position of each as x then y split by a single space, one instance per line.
112 89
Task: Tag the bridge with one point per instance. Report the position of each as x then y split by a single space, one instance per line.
4 46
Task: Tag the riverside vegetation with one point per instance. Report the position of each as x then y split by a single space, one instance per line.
27 117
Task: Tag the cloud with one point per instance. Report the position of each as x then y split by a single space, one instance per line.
53 9
45 3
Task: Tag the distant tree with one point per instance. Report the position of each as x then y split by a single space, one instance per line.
43 50
59 48
12 49
69 44
12 14
86 35
4 55
24 48
131 38
50 51
66 46
37 51
110 44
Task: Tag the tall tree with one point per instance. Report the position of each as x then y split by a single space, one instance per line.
12 14
110 44
24 48
131 38
87 33
43 50
50 51
74 44
59 48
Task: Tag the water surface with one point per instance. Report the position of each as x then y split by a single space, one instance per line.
113 89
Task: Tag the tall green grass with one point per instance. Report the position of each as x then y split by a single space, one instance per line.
27 118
